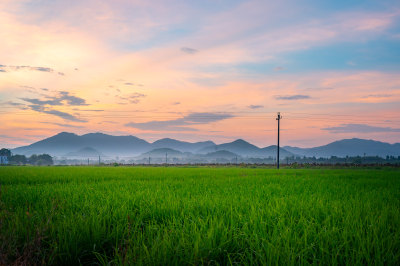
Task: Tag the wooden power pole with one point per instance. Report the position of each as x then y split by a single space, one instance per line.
277 148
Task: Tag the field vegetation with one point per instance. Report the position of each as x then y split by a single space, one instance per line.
182 215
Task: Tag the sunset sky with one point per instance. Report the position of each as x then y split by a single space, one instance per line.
200 70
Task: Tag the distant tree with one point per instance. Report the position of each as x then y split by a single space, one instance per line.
18 159
42 159
357 160
45 159
33 159
5 152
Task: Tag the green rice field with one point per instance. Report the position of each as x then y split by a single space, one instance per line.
203 215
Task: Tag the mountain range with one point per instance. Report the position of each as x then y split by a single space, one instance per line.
349 147
95 144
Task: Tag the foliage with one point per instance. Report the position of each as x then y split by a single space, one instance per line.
169 215
18 159
42 159
334 160
5 152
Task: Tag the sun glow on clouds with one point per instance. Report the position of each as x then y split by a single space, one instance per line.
131 62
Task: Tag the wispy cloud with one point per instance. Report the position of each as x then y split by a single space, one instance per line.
62 125
64 98
188 50
9 68
378 96
45 105
255 106
88 110
42 102
279 68
133 98
292 97
19 105
131 84
181 124
57 113
319 89
71 100
359 128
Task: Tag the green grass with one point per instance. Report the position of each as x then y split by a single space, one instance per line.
119 215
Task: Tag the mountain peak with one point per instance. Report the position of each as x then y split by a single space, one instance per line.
165 140
161 152
239 141
61 134
95 134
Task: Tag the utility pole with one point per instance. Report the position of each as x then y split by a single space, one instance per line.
277 154
99 159
149 160
166 158
87 161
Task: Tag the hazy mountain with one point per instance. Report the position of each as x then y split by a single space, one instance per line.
64 143
221 154
349 147
116 145
245 149
181 145
271 151
59 144
162 152
68 143
86 152
239 146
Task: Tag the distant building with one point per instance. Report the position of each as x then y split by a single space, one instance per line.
3 159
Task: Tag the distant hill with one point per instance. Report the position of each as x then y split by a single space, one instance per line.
349 147
71 144
86 152
221 154
59 144
181 145
239 146
245 149
271 151
64 143
162 152
68 143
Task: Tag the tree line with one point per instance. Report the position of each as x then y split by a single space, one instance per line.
17 159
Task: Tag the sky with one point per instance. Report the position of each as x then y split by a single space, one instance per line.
215 70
